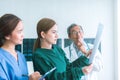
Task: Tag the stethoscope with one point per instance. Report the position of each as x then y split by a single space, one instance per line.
70 50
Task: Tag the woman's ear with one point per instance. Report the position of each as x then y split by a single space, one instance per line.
7 37
42 34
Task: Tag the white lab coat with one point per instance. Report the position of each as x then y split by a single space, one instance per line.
72 55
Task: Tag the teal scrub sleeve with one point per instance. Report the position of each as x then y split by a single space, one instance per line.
44 65
80 62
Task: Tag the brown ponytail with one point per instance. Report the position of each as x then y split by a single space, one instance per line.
43 25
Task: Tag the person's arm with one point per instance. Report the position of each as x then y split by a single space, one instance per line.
79 62
2 73
73 71
42 65
97 63
82 62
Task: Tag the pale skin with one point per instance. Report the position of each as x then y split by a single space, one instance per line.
16 37
50 38
77 35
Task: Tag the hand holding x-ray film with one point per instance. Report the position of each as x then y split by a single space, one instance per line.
96 42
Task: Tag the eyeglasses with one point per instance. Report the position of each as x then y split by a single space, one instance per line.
76 32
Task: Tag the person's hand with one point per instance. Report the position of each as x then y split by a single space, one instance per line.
35 76
80 45
82 48
87 69
89 53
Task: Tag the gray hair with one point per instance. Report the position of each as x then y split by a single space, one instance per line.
71 26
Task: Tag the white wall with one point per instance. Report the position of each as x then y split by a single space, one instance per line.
116 30
87 13
117 40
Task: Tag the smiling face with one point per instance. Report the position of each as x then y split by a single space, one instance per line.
16 37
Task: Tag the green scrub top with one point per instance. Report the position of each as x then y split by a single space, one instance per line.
46 59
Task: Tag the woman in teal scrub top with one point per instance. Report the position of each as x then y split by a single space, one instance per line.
47 55
12 63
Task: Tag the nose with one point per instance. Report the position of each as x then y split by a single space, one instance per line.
78 33
56 35
22 35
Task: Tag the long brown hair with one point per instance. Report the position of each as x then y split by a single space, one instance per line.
43 25
8 23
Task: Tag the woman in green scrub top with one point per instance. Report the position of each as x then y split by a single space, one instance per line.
46 55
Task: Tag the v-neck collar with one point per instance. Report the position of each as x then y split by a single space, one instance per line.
10 57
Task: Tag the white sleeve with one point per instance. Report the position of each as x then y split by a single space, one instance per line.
97 62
